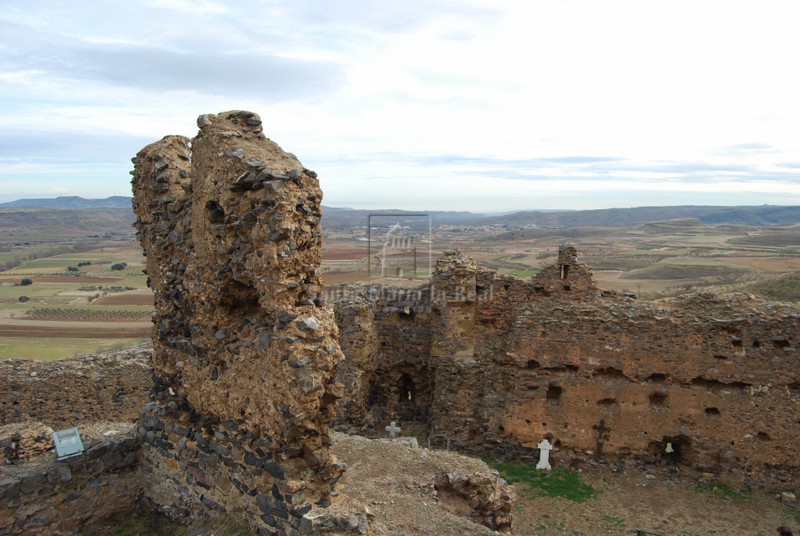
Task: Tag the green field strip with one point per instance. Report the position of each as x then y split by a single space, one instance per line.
52 349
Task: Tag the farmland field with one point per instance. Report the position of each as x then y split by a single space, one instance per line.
78 293
53 307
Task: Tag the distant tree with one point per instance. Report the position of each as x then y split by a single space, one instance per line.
85 263
119 266
26 281
72 269
23 299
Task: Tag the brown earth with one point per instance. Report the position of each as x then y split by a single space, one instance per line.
663 499
397 492
335 278
344 253
74 333
670 504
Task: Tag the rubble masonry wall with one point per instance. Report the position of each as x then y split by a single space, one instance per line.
514 361
244 347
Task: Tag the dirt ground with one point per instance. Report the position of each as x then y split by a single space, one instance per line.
664 500
393 484
124 331
658 501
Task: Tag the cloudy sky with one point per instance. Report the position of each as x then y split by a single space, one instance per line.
483 105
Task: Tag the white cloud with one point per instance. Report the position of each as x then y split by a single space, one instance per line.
458 98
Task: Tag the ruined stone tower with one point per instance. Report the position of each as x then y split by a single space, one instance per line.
244 348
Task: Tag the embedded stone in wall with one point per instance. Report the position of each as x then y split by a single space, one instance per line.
245 350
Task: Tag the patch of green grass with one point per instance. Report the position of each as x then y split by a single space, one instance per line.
613 523
55 348
725 491
558 483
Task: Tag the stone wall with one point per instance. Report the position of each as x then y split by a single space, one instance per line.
713 379
104 387
43 496
244 348
386 334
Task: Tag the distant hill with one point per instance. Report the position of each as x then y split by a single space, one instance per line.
631 217
65 223
71 202
347 218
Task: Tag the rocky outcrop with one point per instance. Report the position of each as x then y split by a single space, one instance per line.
244 347
403 489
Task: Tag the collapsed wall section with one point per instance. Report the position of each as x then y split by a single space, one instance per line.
244 348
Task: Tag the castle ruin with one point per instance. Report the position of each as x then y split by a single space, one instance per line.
251 368
495 364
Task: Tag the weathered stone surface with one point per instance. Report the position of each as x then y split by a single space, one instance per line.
406 489
22 441
241 335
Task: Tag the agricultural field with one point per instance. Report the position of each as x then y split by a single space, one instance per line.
87 292
655 260
95 299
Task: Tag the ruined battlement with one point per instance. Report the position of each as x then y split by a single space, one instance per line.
505 362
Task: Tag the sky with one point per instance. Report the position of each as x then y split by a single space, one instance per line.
480 105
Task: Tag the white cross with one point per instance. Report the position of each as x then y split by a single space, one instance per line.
393 430
544 455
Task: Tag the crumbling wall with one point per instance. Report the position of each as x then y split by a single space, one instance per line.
244 348
387 375
709 381
104 387
42 496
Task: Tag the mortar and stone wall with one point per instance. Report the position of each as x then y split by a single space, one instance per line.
40 495
513 361
244 348
113 386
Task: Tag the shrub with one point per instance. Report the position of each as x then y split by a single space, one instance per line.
85 263
72 269
119 266
23 299
26 281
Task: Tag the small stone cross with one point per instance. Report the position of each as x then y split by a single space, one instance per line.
393 430
544 455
